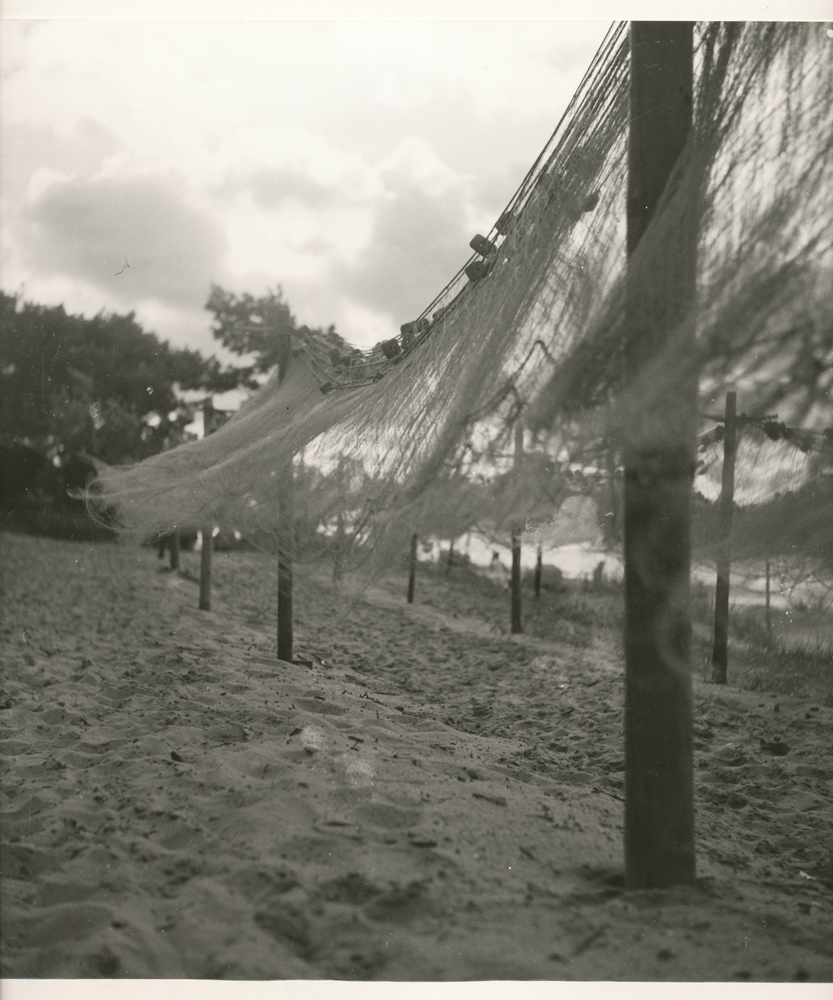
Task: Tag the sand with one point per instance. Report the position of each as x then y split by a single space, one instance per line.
430 799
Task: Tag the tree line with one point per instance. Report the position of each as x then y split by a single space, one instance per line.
107 388
103 388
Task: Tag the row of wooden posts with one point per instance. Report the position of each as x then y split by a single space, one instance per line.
720 650
514 579
720 655
172 541
516 616
212 421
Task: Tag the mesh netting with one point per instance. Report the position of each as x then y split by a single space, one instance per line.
783 495
419 434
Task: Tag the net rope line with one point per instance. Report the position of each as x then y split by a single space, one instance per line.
800 438
539 336
357 367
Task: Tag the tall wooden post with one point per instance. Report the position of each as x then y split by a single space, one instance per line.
720 653
286 530
412 561
659 466
173 538
517 619
207 529
768 613
538 568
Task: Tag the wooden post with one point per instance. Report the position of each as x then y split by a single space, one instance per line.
538 568
612 527
285 565
340 545
286 531
412 561
517 619
517 609
450 562
205 567
338 548
173 540
207 529
768 616
720 652
659 467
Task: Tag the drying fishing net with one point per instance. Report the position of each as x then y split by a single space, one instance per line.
502 406
782 516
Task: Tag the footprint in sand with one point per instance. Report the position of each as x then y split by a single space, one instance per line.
387 817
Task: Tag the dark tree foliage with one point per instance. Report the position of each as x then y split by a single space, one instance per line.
101 386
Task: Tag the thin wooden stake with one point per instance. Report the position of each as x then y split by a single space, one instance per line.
173 540
517 611
205 567
285 564
768 617
450 562
720 652
209 426
412 561
659 468
286 531
340 544
339 547
538 569
517 619
612 527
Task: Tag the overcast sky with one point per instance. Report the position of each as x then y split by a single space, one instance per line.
349 161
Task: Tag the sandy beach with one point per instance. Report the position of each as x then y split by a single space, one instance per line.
430 799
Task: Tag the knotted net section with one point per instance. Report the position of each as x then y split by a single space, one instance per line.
421 433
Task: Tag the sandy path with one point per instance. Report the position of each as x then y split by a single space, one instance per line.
435 800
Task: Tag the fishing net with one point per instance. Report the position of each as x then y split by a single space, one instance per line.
503 404
783 499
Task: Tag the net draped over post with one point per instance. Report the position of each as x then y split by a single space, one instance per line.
533 328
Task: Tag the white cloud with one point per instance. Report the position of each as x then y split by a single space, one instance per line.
415 162
351 246
42 179
349 162
307 165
